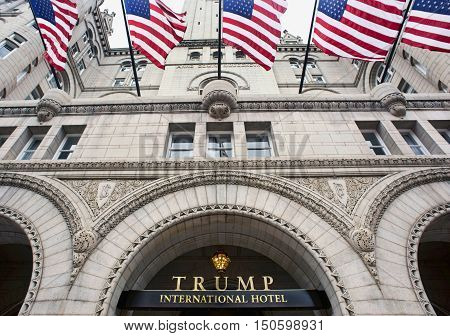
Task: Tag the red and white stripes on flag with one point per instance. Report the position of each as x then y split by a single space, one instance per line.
56 20
359 29
253 26
154 28
428 26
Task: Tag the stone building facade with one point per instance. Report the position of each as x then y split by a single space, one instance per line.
344 189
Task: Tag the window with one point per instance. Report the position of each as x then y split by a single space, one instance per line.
81 66
133 81
375 142
31 147
85 37
3 139
295 63
443 87
405 54
90 53
357 63
75 50
318 79
194 56
445 134
33 24
6 48
380 71
141 66
405 87
51 80
126 66
311 64
181 145
118 82
220 145
67 147
419 66
240 55
216 55
23 73
414 143
37 93
258 144
18 38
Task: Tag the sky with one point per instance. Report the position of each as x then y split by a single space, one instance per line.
296 20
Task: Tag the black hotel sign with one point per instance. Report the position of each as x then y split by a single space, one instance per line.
281 299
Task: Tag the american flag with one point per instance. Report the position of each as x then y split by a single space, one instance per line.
154 28
359 29
428 25
253 26
56 20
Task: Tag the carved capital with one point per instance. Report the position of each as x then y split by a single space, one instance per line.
219 99
391 99
51 104
363 239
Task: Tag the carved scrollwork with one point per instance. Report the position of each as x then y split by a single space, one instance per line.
363 239
46 109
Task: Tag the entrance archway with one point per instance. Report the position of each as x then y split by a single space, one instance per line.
16 266
239 230
434 263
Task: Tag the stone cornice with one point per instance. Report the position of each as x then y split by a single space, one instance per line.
368 162
287 104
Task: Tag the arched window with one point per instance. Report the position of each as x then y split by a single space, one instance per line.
125 66
295 63
141 65
215 55
240 54
194 56
311 63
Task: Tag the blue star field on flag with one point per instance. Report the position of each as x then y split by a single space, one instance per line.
44 9
333 8
243 8
138 7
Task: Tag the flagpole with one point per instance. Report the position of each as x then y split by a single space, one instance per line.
130 48
396 43
305 62
52 69
219 70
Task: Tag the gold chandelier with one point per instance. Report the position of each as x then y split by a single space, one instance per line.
221 261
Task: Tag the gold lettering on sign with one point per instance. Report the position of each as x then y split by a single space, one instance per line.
246 285
218 283
198 283
268 280
179 278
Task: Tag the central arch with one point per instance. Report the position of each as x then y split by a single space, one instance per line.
239 226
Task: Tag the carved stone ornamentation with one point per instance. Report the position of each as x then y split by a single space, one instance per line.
124 260
100 194
51 104
219 98
83 241
363 239
344 192
390 98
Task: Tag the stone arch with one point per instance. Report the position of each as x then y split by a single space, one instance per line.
83 239
388 189
132 254
241 82
37 251
29 207
397 238
414 237
283 203
119 93
329 212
